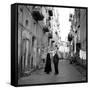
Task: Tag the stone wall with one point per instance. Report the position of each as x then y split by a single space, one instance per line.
30 39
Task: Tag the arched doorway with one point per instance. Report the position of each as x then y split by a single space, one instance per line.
25 54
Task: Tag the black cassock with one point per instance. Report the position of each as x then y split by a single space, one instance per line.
48 64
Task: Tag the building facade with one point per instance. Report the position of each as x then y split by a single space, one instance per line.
34 36
30 37
78 29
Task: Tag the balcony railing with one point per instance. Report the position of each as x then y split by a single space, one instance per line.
37 14
50 13
50 35
45 29
70 37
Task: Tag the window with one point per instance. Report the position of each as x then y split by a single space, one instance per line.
26 22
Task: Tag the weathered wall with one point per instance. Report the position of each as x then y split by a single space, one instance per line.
27 29
83 29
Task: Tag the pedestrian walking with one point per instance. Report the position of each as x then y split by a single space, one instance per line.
48 64
56 61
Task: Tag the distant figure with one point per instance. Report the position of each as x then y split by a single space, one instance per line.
48 64
56 61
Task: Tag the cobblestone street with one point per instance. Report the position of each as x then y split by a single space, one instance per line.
67 73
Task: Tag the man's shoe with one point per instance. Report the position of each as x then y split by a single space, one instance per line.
56 73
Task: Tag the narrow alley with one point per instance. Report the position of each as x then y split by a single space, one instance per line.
51 38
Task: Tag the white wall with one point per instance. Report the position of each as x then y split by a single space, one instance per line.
5 45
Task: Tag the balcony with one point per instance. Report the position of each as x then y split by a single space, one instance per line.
50 35
70 17
45 29
70 37
37 14
50 13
